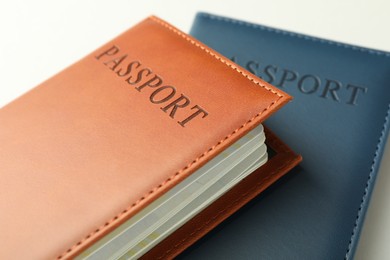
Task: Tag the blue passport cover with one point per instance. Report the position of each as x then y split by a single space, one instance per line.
338 122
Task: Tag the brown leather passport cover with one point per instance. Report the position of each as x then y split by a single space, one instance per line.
92 146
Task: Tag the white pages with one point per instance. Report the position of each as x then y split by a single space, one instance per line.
161 218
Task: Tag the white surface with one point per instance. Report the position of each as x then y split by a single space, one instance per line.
39 38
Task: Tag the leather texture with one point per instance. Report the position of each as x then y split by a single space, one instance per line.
338 122
89 148
282 160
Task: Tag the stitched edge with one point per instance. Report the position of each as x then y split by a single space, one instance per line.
232 204
212 54
385 125
117 217
370 179
296 35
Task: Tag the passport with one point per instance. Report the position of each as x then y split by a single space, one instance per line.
340 125
126 153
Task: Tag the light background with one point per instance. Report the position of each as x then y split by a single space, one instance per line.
40 38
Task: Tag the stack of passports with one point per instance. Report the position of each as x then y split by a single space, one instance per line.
135 151
340 119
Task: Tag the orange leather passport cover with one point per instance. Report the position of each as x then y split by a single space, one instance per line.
283 160
90 147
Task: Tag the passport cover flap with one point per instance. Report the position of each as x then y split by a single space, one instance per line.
340 124
87 149
281 160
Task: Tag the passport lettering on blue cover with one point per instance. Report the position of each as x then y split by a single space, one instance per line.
340 116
